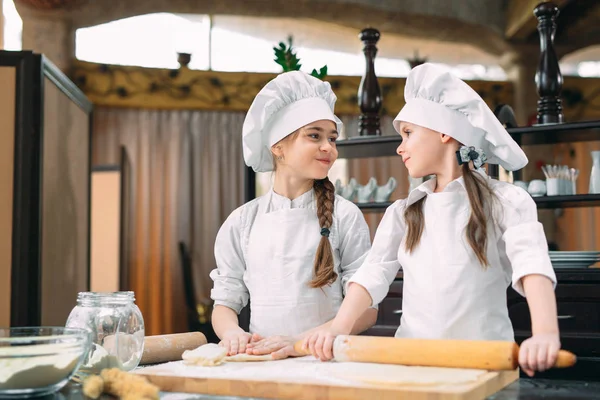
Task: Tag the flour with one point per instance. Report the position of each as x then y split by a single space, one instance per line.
309 369
340 348
294 369
128 347
100 359
26 371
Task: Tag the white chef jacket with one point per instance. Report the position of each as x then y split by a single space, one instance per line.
265 252
447 294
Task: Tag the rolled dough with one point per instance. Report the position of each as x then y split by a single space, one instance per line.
212 354
206 355
248 357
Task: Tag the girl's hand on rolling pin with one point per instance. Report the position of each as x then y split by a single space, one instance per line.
279 347
236 340
539 352
320 344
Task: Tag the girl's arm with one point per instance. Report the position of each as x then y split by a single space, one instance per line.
532 276
224 320
356 303
226 325
539 352
320 342
229 291
542 304
346 316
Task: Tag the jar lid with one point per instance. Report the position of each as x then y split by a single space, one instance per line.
93 298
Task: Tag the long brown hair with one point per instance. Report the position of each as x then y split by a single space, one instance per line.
324 273
481 198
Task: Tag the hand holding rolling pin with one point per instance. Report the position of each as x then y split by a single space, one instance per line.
539 352
490 355
320 343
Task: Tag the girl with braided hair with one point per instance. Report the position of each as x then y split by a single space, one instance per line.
462 238
291 252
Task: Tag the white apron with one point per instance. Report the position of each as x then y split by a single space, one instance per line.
279 265
447 293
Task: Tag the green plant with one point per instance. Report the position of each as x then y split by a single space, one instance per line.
285 56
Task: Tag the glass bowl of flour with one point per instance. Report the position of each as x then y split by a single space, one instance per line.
39 360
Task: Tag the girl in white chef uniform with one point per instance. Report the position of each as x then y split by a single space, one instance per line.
292 251
462 238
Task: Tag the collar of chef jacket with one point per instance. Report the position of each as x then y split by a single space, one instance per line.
427 187
279 202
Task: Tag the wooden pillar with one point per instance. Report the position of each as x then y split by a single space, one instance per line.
520 67
48 34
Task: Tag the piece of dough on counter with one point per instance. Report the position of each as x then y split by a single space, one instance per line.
206 355
248 357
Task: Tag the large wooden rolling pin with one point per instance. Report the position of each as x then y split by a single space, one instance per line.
488 355
164 348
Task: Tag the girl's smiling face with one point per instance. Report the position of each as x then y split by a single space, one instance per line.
309 152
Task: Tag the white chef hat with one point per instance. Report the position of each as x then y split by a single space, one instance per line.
288 102
438 100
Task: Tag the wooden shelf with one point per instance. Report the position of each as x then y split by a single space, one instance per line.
374 207
385 146
369 146
566 132
567 201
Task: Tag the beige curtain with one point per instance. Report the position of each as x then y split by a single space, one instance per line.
187 173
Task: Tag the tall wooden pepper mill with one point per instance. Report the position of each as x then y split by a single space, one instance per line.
369 92
548 78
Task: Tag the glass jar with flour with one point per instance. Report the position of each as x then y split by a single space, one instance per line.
117 330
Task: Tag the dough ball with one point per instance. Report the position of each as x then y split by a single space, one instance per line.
210 354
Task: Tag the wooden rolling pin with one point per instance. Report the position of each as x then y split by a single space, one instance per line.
164 348
488 355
